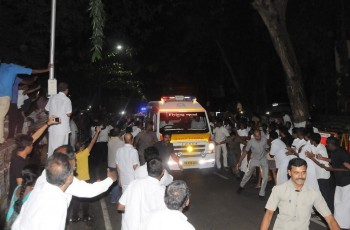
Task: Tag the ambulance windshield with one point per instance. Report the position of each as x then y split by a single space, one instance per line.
183 122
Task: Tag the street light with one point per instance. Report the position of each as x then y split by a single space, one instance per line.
119 47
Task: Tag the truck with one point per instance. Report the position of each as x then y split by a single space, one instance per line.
187 122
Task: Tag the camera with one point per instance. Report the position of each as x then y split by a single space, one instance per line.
57 120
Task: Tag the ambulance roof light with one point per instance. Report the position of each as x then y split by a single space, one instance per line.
178 98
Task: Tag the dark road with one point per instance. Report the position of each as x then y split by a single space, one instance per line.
215 205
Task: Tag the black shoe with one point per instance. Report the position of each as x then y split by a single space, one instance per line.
262 198
226 169
240 189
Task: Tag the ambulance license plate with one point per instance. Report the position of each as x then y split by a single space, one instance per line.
190 163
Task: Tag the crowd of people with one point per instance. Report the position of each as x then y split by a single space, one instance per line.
52 198
306 173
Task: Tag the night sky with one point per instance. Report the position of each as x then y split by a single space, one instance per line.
178 47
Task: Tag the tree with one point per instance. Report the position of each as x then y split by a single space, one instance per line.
273 13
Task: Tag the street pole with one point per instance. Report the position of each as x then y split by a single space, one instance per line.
52 82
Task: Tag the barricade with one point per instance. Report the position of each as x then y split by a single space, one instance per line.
325 135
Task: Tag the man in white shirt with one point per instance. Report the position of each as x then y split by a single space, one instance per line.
197 123
243 133
60 106
278 151
177 197
143 196
127 160
79 188
115 142
137 128
47 206
323 175
302 146
221 134
141 171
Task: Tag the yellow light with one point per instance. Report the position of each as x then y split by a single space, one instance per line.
189 149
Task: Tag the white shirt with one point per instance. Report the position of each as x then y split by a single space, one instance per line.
220 134
321 172
46 209
166 219
197 124
135 130
286 118
142 197
311 177
103 135
278 150
21 98
141 172
127 157
114 144
78 188
60 105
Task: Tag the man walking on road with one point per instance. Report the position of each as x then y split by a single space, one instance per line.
278 152
258 146
220 135
60 106
177 197
143 196
47 206
339 159
145 139
295 201
127 161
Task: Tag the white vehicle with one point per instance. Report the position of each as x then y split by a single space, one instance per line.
188 123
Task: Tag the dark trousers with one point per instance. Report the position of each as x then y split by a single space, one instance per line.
15 120
326 191
75 207
98 155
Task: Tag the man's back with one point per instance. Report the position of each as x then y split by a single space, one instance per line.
167 219
46 209
114 144
126 158
60 105
142 197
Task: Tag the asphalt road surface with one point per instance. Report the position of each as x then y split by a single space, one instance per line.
215 204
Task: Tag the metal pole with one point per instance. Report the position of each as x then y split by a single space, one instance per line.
52 83
52 42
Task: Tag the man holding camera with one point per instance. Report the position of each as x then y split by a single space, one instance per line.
60 106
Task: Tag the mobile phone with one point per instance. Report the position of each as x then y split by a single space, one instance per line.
57 119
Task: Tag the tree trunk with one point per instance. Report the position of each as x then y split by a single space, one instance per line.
273 14
228 65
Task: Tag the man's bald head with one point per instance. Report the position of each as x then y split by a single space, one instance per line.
66 149
257 135
128 138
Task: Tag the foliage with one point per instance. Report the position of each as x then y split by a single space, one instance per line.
97 15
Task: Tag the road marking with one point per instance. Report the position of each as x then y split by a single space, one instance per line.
316 221
105 213
222 176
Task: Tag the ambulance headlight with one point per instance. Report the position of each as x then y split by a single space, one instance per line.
211 147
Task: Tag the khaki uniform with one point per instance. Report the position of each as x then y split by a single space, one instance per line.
295 207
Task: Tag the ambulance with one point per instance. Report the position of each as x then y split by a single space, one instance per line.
187 122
